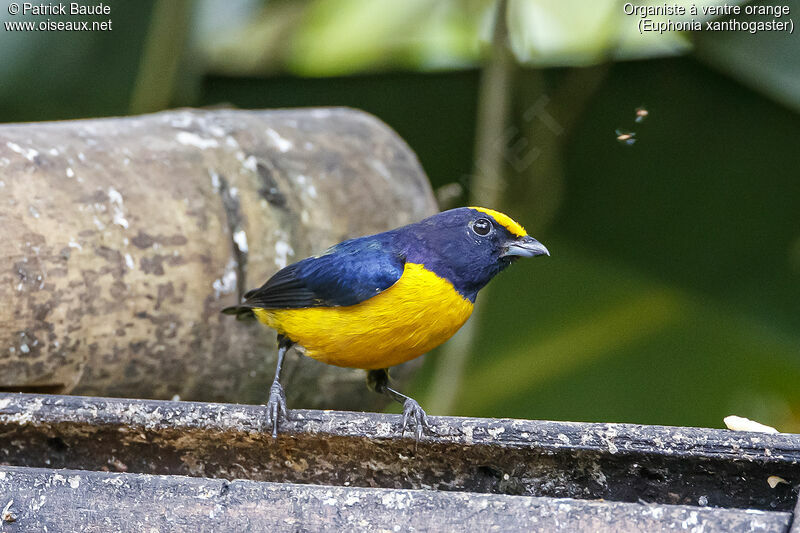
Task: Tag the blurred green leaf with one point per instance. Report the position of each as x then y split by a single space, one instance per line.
581 32
339 37
343 36
769 62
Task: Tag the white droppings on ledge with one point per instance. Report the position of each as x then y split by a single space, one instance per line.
191 139
395 500
205 493
610 434
352 499
468 433
691 521
73 244
284 145
129 262
240 238
70 172
496 432
383 429
28 153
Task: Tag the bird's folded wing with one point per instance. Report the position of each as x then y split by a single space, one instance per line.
347 274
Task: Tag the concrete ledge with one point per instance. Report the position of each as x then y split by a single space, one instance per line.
74 500
626 463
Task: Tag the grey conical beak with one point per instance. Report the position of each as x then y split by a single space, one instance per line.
525 246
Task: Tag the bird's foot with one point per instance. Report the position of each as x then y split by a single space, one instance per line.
276 406
413 413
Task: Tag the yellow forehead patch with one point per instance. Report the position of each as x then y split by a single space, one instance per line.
504 220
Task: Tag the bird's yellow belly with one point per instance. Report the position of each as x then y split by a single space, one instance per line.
416 314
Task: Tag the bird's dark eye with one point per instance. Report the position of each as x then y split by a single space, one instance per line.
482 226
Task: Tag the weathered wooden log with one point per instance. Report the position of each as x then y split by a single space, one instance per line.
123 238
619 462
75 500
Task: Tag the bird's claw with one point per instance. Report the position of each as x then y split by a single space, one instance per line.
412 412
276 406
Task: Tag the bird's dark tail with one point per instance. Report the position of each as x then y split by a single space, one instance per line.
241 312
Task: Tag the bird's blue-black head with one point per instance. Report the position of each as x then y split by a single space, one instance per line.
467 246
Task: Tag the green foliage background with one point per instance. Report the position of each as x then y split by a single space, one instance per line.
673 292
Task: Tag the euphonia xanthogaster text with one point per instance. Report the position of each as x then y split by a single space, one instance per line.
381 300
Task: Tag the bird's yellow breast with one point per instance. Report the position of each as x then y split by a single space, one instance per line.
416 314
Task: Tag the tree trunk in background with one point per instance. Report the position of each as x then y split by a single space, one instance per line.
124 238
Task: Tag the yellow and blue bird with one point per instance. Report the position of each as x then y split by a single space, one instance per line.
377 301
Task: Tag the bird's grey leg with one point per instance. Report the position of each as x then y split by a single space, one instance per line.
276 405
378 380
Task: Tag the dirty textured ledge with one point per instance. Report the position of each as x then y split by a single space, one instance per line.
42 499
618 462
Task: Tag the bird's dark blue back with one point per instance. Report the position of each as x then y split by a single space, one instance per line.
357 269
